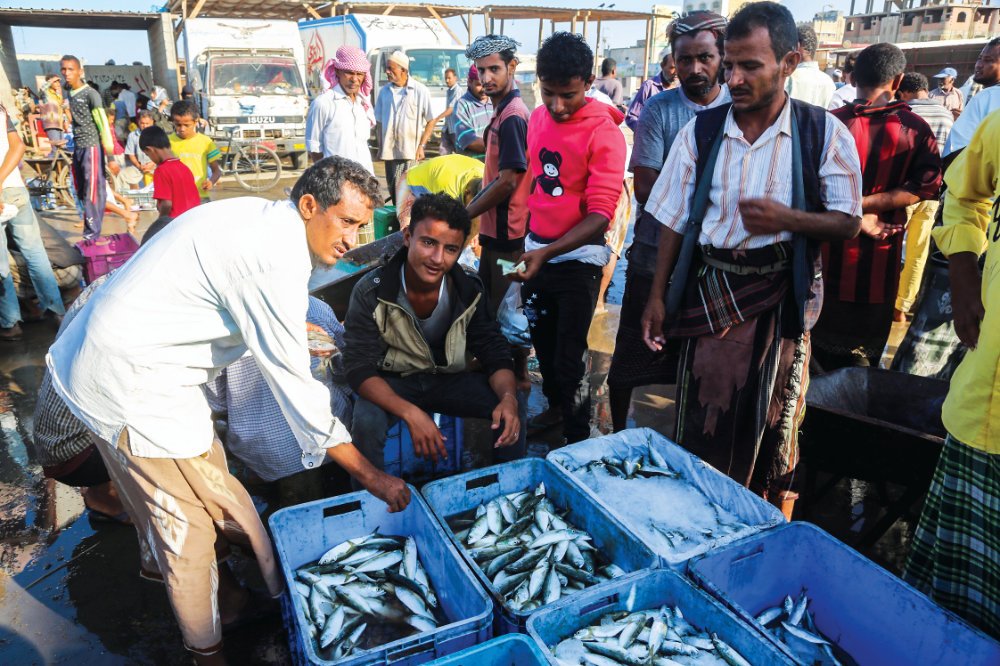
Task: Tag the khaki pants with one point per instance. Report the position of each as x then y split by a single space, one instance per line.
918 242
186 513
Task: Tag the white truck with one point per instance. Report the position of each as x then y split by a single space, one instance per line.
429 46
248 74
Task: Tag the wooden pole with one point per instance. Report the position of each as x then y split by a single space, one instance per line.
649 46
586 19
468 27
486 22
541 31
443 24
572 23
597 50
502 23
312 12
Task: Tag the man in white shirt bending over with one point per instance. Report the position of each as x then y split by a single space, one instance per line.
229 277
340 121
807 83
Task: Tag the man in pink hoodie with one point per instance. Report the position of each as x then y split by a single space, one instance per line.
576 157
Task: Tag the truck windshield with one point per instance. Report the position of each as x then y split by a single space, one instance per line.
258 76
428 65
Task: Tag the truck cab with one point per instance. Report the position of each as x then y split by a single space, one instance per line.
248 75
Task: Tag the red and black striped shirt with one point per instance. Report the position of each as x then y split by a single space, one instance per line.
897 149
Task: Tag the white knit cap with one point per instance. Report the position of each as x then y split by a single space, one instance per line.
400 59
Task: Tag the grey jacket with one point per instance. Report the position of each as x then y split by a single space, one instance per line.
382 337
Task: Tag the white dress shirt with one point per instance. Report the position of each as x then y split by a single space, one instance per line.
808 84
337 126
761 170
843 96
222 279
402 113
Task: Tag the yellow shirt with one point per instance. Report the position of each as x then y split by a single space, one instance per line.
972 224
195 153
448 174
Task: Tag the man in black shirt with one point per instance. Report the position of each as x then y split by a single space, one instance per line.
92 143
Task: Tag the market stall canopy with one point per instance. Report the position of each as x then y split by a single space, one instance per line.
296 9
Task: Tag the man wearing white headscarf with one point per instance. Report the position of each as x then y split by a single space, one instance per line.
402 112
340 120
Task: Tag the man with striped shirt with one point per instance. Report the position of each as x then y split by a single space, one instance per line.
747 192
901 167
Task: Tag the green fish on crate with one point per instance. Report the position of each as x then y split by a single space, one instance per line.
529 551
659 637
372 588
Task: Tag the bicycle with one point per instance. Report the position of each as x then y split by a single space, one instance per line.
256 167
52 174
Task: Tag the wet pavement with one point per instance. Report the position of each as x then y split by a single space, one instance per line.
69 589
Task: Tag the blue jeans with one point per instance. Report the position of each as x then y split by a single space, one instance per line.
24 229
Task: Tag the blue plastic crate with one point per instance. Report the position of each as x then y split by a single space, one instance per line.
871 614
461 493
618 495
401 461
303 533
509 650
650 590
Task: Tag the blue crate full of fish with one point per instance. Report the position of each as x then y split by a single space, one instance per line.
532 536
688 506
649 615
821 602
366 586
400 459
509 650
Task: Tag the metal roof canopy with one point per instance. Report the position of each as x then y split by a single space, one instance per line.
294 10
72 18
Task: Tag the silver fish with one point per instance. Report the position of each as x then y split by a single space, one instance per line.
494 518
770 615
801 633
334 627
732 657
410 558
380 562
479 529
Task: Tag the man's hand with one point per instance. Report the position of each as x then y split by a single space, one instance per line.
420 153
148 167
533 262
390 489
872 226
319 353
652 324
765 216
966 297
428 442
207 184
506 412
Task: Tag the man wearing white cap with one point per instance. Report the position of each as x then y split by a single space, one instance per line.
947 93
403 112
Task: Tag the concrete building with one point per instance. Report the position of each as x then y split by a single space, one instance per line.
724 7
920 21
829 27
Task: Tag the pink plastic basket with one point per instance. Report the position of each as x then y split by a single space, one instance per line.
106 253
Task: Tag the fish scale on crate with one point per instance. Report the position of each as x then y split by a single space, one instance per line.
372 579
532 555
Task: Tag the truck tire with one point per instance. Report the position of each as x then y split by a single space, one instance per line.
257 168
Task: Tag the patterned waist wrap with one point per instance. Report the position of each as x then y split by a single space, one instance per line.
731 287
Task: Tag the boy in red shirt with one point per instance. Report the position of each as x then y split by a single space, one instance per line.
173 183
576 163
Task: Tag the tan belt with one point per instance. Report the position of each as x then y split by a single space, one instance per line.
739 269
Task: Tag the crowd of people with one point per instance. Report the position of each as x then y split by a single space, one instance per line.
773 239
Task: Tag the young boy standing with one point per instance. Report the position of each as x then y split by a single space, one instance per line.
196 151
173 184
134 153
576 159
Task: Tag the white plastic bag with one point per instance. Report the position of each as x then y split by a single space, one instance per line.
510 316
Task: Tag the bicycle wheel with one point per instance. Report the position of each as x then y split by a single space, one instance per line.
257 168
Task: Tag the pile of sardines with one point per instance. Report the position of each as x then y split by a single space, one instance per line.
366 592
532 555
792 624
645 638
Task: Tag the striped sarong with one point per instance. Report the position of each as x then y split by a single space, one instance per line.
716 299
955 556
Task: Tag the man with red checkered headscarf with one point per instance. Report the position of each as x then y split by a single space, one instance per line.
340 120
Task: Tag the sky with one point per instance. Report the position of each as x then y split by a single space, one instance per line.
125 46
